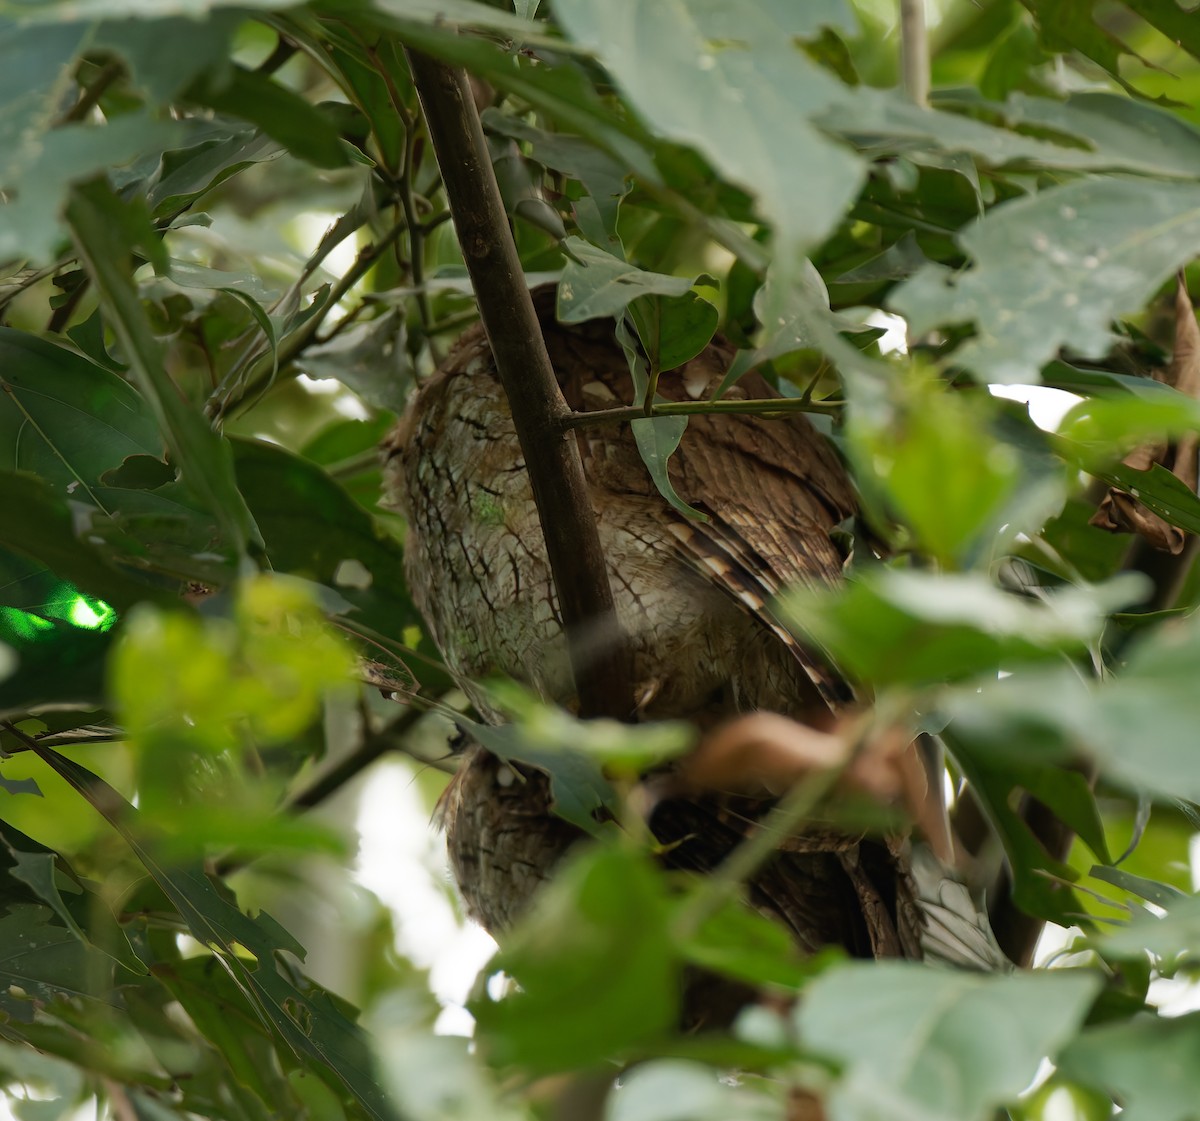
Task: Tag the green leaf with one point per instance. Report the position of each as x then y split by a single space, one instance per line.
230 1024
890 626
595 964
678 1090
564 92
38 524
42 961
1168 18
734 86
999 779
165 55
673 330
657 438
1069 25
579 790
938 464
737 941
595 284
306 1018
64 418
46 169
604 178
945 1046
47 875
1054 270
1161 895
1113 134
1075 379
1107 425
369 358
288 497
283 115
1158 490
1139 725
207 153
1129 132
200 453
1148 1062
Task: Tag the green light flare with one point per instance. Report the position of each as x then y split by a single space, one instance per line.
91 615
23 625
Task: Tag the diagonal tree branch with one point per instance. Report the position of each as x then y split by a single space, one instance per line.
599 655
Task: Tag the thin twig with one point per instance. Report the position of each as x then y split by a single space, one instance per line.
793 810
265 369
914 51
90 97
765 407
602 675
372 747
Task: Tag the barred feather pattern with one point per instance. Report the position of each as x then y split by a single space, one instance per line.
694 599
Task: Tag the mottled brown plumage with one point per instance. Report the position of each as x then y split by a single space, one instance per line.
694 599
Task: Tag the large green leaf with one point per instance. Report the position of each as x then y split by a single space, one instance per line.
312 528
732 84
64 418
306 1018
1149 1062
945 1046
97 220
207 152
1054 270
595 964
1139 724
45 171
283 115
41 960
596 284
165 55
890 626
1114 134
38 524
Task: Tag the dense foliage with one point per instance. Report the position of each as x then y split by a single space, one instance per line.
210 211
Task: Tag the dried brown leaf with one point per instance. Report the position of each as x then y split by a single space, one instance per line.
1119 511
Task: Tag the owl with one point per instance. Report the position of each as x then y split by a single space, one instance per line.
694 598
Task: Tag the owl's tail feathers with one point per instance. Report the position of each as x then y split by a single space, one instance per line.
956 930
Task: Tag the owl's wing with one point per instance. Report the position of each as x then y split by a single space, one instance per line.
773 490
